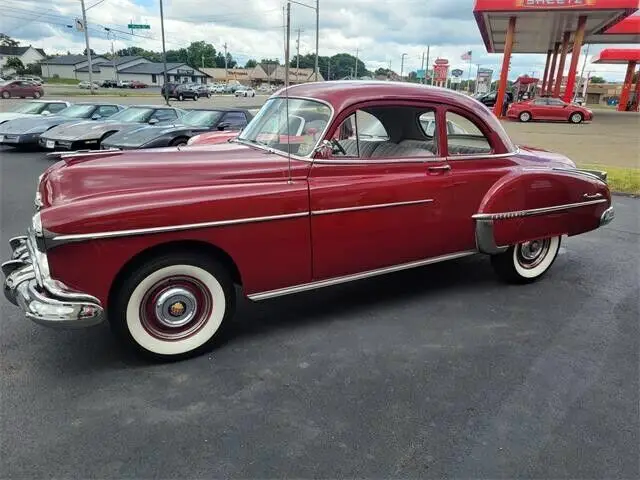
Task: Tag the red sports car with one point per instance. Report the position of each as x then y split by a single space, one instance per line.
547 108
155 241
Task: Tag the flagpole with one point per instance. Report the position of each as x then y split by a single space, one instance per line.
469 74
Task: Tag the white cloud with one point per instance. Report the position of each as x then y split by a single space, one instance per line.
381 30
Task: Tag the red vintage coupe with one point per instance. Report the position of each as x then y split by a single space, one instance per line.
549 108
155 240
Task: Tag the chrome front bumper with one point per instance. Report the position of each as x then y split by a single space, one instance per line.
607 216
44 300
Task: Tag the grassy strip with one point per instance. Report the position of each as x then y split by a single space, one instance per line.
620 179
61 81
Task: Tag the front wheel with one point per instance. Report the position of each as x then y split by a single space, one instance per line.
173 306
576 117
36 95
526 262
195 97
180 97
525 117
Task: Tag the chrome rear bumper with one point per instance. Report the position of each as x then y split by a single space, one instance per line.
607 216
44 300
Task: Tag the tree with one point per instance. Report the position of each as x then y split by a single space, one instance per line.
140 52
93 53
250 64
597 79
344 65
14 63
33 69
7 41
201 55
273 61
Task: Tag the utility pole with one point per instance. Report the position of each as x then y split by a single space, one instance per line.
402 65
164 57
226 67
286 51
356 74
298 54
329 69
111 35
202 56
317 36
584 93
86 41
424 80
422 67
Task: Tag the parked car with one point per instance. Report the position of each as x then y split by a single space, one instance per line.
110 84
489 99
159 238
179 91
90 134
137 84
87 86
124 83
32 108
549 108
245 92
179 133
25 132
20 89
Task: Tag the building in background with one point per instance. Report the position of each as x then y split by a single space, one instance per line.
27 55
66 66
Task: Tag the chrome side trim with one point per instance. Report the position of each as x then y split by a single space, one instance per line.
370 207
78 153
485 239
593 174
378 161
535 211
54 240
482 156
356 276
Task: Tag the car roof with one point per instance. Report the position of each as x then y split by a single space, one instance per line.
216 109
160 107
97 103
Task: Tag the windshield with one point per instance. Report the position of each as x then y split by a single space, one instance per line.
133 114
29 107
77 111
292 124
201 118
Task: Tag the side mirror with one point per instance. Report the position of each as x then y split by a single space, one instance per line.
95 116
46 112
153 121
224 126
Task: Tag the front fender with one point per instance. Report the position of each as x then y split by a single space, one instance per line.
536 203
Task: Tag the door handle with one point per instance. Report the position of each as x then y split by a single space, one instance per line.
591 197
438 168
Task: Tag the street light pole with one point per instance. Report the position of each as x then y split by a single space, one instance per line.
164 57
86 41
402 66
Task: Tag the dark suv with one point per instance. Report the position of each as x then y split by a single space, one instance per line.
179 91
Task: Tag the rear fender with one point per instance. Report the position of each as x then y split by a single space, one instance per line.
536 203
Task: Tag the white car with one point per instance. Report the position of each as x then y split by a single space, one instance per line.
245 92
87 85
33 108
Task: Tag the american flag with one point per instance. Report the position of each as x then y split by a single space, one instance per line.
466 55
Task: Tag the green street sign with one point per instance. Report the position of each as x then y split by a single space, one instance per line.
132 26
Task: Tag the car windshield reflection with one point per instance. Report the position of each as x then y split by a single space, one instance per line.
201 118
285 125
133 114
77 111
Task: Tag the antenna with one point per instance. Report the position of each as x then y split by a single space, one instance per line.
286 91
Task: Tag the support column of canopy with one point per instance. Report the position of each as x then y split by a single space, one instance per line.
636 105
552 70
546 72
563 57
626 87
578 38
504 73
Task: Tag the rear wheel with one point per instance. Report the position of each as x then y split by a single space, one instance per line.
178 142
195 97
6 94
180 97
173 306
37 95
526 262
576 117
524 116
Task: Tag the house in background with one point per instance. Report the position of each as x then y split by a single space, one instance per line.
108 69
65 66
152 73
27 55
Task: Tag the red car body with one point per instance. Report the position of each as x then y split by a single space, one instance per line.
213 138
279 224
137 84
21 89
547 108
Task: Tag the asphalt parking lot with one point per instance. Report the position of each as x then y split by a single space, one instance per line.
439 372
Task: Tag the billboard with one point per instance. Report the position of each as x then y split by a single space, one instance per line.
484 80
441 70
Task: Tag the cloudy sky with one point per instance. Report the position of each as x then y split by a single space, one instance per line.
379 30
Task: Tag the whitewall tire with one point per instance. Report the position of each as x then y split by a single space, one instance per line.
528 261
173 306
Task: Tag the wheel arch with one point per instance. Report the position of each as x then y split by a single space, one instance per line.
191 246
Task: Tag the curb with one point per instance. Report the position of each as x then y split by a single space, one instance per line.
625 194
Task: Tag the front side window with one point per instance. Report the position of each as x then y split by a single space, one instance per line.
78 111
107 110
165 115
56 107
471 142
540 101
288 125
556 101
236 120
386 133
201 118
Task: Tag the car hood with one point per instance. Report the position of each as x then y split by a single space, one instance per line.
142 134
118 173
36 122
91 129
13 115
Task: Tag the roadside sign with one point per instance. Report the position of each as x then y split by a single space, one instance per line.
140 26
79 25
456 72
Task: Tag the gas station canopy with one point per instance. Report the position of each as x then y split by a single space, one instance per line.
626 31
542 23
620 56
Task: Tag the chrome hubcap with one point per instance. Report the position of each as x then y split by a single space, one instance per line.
176 307
530 254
